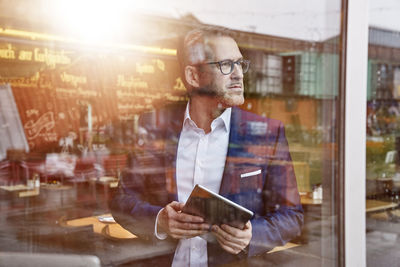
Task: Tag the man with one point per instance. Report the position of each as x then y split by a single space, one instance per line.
237 154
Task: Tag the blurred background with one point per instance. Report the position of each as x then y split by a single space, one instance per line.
75 76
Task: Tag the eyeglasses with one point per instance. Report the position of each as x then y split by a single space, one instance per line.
226 66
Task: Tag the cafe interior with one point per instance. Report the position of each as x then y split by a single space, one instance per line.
73 89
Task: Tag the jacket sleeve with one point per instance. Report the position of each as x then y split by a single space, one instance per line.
133 206
282 219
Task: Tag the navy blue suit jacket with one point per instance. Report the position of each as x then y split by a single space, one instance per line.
255 143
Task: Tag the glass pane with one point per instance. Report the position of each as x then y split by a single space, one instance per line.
383 134
111 111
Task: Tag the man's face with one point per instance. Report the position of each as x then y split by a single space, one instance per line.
227 88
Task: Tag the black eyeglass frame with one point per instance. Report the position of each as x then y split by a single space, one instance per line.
239 61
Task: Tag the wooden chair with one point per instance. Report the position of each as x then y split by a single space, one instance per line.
85 170
5 172
114 164
302 170
30 168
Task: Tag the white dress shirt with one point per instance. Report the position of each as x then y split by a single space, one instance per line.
200 160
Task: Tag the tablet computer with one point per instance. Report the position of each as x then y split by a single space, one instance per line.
216 209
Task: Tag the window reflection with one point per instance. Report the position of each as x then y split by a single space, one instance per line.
382 162
88 130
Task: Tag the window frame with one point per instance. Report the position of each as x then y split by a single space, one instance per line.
352 134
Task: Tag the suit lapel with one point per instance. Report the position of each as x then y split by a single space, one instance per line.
234 146
171 150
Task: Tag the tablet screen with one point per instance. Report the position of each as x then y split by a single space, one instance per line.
215 209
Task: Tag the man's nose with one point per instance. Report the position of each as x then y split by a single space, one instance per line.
237 72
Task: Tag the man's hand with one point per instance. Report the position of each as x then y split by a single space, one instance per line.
232 239
180 225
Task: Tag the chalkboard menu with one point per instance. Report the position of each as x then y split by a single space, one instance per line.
53 86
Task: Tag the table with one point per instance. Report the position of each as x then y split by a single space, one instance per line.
113 230
288 245
103 224
378 206
306 200
65 219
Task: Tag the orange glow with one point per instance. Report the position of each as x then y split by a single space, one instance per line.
49 37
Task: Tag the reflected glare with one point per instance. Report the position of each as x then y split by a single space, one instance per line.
91 20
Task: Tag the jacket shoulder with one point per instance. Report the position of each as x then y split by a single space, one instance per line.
243 116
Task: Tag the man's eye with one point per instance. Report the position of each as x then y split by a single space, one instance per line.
226 64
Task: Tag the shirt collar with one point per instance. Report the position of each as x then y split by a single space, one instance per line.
225 117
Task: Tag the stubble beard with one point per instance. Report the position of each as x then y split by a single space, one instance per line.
232 100
226 97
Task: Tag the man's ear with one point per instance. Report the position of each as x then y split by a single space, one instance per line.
192 76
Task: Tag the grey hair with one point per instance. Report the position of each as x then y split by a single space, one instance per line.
194 49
